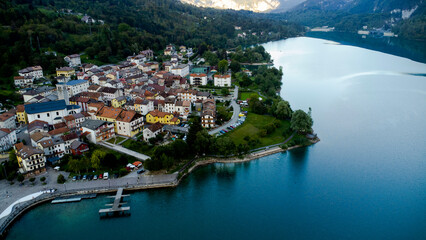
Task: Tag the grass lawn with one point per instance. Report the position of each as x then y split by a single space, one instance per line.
140 147
245 95
116 140
253 125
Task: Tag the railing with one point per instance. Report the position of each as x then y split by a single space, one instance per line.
22 207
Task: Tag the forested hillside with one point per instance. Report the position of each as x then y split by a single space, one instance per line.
32 27
407 18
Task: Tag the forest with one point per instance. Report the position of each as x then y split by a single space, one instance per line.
33 29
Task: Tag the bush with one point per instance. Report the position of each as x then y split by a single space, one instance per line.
20 178
61 179
43 179
123 172
32 179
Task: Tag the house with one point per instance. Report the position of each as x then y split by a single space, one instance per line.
208 116
7 139
222 80
68 139
109 114
203 95
161 117
49 111
73 60
34 72
78 148
118 102
65 71
70 121
183 107
38 126
247 72
30 160
181 70
169 105
144 106
59 132
187 95
94 88
198 79
39 136
148 53
182 49
152 131
8 120
110 93
98 130
54 149
77 86
23 81
129 123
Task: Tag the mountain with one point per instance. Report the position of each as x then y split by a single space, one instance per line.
250 5
42 32
407 18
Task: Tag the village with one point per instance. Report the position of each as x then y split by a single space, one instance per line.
136 99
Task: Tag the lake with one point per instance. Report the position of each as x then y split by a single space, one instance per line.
365 179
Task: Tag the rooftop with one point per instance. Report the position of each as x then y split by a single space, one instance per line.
45 107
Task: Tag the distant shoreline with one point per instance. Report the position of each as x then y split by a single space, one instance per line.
250 157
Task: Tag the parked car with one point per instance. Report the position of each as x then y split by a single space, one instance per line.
74 178
141 171
100 176
106 176
85 177
95 177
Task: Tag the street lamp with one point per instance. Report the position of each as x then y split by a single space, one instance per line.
4 168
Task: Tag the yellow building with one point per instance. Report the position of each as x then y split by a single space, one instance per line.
161 117
118 102
21 115
65 71
109 114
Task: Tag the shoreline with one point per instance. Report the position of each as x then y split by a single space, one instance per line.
18 211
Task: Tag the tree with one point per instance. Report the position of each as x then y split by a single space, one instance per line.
20 178
96 158
283 110
301 122
235 66
32 179
202 142
195 127
225 146
245 81
223 66
61 179
224 91
43 179
74 165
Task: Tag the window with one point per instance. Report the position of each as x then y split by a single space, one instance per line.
57 113
48 115
38 115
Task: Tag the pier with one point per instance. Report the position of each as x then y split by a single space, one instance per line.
117 208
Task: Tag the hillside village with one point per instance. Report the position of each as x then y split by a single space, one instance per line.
138 98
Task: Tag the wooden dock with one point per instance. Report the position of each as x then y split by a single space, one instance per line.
117 208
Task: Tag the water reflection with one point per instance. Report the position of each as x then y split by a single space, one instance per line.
298 161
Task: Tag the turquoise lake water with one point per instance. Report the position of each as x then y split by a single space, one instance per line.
366 179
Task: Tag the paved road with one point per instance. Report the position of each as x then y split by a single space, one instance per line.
121 149
234 118
10 193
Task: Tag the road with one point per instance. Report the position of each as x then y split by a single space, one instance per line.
234 118
121 149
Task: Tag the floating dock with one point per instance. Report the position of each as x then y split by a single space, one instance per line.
117 208
74 198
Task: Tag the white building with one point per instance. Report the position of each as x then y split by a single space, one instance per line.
50 111
54 149
198 79
73 60
222 80
7 139
181 70
77 86
30 160
110 93
98 130
35 72
8 120
23 82
129 123
144 106
152 131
